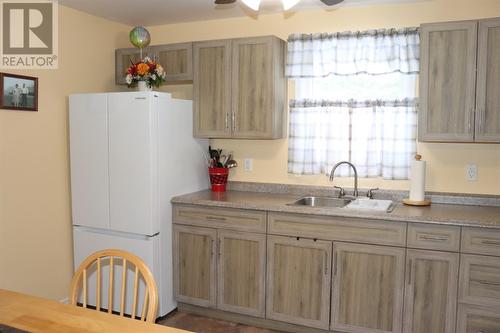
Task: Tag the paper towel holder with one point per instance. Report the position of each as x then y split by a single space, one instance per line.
409 202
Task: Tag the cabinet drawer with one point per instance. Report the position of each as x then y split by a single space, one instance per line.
233 219
473 319
338 228
479 241
480 280
433 237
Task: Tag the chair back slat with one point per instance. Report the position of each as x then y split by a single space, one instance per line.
86 272
124 284
143 315
84 288
98 287
110 289
136 284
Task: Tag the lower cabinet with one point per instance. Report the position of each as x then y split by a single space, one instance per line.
475 319
236 258
298 280
241 272
367 293
194 261
431 292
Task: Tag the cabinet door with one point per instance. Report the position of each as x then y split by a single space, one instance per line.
241 272
473 319
431 292
367 288
177 60
253 87
298 281
88 136
123 59
212 89
480 280
447 81
133 167
194 265
488 82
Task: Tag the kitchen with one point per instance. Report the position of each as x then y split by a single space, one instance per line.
35 161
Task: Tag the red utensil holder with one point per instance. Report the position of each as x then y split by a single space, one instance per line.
218 178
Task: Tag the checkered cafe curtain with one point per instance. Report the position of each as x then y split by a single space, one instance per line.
355 101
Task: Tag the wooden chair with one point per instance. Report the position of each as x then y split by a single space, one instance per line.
80 280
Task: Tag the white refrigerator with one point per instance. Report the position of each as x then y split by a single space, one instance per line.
129 154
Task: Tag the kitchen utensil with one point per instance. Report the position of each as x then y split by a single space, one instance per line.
231 164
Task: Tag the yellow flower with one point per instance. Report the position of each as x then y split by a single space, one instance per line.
142 69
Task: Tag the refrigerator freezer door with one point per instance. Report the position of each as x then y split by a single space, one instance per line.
88 241
133 166
88 131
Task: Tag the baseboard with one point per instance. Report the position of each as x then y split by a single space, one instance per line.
247 320
64 300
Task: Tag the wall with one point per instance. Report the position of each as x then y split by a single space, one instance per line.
35 213
446 162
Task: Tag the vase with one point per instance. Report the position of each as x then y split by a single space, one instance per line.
143 86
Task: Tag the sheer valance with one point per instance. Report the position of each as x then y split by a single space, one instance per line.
372 52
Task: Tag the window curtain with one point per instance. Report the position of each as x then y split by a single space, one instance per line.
355 100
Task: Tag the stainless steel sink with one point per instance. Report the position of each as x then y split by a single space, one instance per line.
321 202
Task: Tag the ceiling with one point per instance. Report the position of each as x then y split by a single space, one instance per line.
154 12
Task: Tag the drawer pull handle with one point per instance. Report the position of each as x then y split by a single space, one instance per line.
489 283
490 242
215 218
433 238
326 263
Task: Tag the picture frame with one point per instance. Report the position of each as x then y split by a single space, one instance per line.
18 92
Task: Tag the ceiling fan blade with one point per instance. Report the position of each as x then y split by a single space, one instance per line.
224 2
331 2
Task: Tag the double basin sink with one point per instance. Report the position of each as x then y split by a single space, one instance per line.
330 202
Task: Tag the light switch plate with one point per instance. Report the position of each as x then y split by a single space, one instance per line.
471 172
248 164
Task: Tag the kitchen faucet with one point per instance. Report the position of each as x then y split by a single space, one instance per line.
355 194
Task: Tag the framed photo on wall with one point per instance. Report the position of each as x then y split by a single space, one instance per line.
18 92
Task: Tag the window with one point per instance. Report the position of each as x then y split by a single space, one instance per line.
355 100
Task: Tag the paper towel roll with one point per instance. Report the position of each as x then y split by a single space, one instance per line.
417 182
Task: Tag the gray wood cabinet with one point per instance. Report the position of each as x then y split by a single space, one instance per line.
431 289
241 269
240 89
447 81
215 266
488 82
194 261
367 294
298 281
336 278
454 57
177 59
212 89
123 60
474 319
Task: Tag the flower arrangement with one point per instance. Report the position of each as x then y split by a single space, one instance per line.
145 70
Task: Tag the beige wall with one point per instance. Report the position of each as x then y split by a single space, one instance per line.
446 162
35 219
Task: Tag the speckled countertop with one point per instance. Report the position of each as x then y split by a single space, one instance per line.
451 214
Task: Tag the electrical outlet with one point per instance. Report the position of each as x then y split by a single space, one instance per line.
471 172
248 164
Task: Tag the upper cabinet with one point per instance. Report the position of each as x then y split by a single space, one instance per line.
177 59
240 89
488 82
453 59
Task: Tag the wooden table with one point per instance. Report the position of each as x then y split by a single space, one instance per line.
34 314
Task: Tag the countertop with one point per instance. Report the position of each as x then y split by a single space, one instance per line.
460 215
